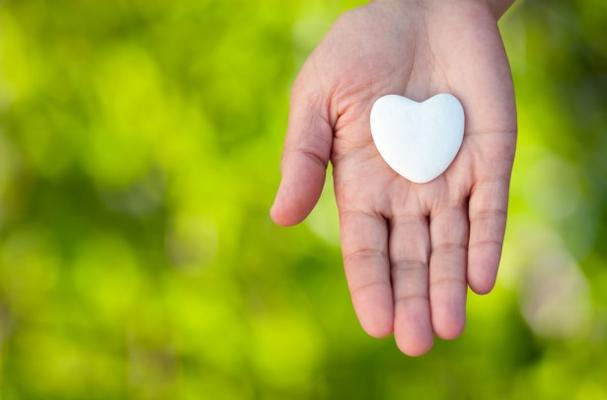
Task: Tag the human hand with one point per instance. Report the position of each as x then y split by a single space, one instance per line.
410 250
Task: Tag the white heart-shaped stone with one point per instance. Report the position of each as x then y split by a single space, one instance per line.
418 140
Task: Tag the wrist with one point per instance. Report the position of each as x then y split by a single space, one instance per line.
497 7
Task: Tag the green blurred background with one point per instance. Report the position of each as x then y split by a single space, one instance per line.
139 151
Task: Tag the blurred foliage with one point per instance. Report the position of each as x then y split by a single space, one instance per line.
139 148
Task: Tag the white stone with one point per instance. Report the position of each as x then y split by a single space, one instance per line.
418 140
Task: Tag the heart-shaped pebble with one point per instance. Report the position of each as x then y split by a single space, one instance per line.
418 140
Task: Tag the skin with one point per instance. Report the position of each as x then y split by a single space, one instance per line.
410 250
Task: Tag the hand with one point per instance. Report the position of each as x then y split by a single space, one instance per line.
410 250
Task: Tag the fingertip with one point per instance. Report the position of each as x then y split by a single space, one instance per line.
481 286
375 314
482 270
414 348
449 313
378 328
413 329
288 208
298 193
449 327
282 217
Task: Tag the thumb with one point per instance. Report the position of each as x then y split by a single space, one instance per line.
305 157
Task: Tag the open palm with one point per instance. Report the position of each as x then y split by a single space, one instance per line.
410 250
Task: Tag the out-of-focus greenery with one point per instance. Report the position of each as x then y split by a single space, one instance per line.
139 148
